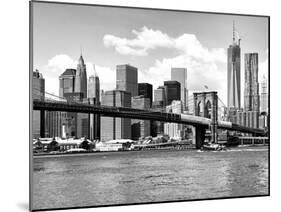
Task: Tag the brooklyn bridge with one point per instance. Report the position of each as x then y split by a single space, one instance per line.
205 114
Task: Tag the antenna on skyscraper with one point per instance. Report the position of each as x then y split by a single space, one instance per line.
80 50
95 72
233 33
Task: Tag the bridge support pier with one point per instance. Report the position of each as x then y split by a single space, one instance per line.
42 123
199 136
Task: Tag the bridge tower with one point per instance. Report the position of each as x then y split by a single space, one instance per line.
206 105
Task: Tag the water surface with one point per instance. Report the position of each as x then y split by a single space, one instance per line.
148 176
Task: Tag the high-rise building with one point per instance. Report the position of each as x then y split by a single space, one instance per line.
94 87
251 88
145 89
251 91
54 123
174 130
67 91
160 96
81 78
94 99
233 74
127 79
173 91
38 92
111 127
159 103
67 82
180 75
73 87
264 96
140 128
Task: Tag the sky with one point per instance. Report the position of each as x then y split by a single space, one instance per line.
151 40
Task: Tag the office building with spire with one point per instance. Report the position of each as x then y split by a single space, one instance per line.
81 78
73 87
94 99
233 73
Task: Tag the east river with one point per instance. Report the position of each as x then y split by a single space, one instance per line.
148 176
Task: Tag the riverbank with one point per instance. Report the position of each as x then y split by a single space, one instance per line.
239 148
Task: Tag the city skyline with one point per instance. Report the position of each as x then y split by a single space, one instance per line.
153 58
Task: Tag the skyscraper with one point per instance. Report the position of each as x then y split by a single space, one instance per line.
67 82
160 97
140 128
127 79
94 99
180 75
81 78
145 89
233 74
38 92
251 88
81 88
173 91
94 87
174 130
111 127
67 90
73 87
264 96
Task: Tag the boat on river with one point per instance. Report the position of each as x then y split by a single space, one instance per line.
213 147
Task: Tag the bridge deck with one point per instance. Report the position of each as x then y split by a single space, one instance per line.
138 114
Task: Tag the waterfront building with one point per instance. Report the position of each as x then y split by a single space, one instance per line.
111 127
251 91
233 73
38 92
173 91
251 88
81 78
180 75
263 121
241 118
174 130
264 96
140 128
94 99
54 123
145 89
127 79
157 127
159 103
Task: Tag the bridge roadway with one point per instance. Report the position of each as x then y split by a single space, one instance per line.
139 114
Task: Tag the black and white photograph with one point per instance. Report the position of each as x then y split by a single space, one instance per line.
133 105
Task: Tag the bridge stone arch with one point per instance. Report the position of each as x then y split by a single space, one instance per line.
209 101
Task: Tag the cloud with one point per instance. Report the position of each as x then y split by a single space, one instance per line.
148 39
145 40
